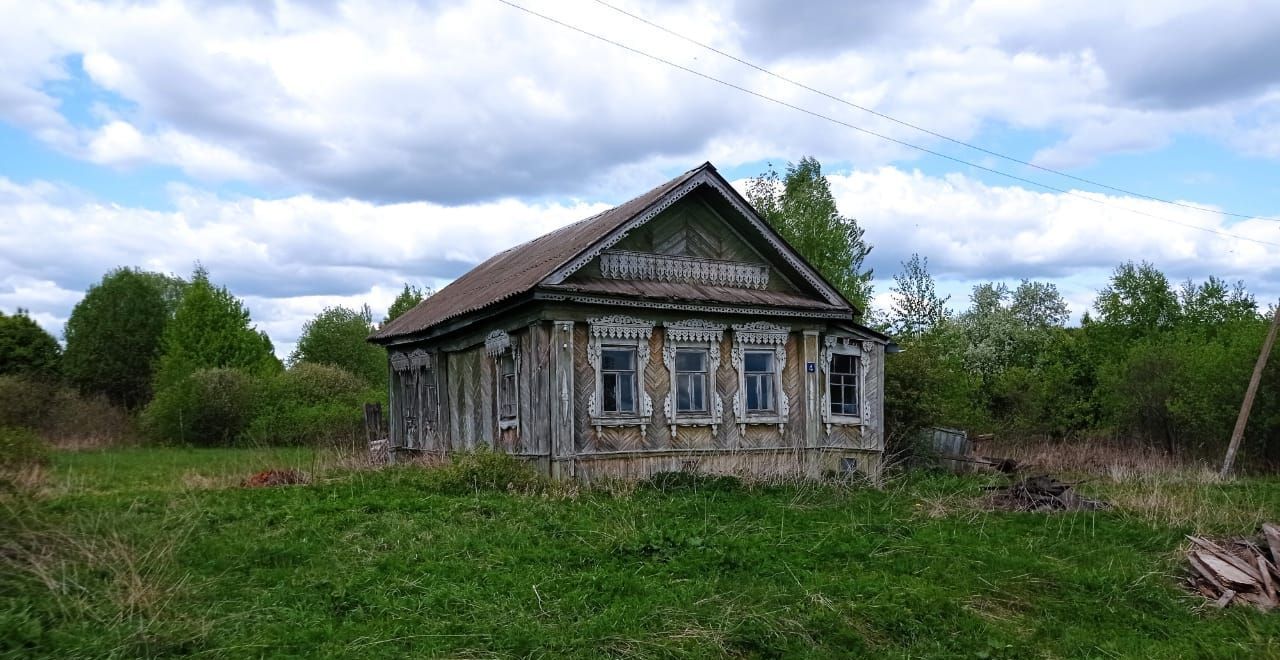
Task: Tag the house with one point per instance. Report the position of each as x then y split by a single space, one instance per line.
676 331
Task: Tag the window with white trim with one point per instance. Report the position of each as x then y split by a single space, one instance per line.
692 354
415 396
842 396
618 350
760 356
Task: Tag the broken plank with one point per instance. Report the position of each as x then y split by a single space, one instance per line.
1225 599
1227 573
1267 585
1227 556
1204 572
1272 534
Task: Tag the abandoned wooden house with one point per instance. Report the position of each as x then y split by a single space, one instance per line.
677 331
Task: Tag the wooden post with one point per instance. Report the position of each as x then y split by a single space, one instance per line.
1243 419
562 413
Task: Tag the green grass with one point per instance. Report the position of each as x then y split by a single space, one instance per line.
155 552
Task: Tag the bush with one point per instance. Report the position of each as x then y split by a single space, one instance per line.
483 470
210 407
675 482
20 447
311 404
62 416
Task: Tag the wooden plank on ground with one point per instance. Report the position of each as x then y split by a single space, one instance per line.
1223 554
1272 533
1228 574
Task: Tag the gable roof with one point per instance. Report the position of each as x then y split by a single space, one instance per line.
552 257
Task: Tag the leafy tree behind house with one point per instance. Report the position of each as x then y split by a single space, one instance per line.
26 349
802 209
916 306
114 334
406 300
211 329
336 337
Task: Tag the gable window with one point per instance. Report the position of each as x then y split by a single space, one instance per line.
760 355
506 360
842 398
692 355
618 350
618 375
842 385
761 373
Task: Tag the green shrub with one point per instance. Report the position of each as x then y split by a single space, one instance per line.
61 415
20 447
483 470
211 407
311 404
24 402
674 482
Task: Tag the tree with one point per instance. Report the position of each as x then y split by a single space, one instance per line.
1138 300
1213 303
210 330
336 337
114 334
916 306
1039 305
405 301
26 349
802 209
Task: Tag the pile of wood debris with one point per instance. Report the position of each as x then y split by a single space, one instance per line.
1041 493
1237 571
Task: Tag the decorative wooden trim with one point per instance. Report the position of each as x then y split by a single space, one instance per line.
716 183
626 265
693 333
838 344
695 307
497 343
626 331
759 334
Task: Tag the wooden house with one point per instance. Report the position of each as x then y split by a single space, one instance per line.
676 331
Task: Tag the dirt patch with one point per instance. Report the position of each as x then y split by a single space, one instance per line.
1040 493
286 477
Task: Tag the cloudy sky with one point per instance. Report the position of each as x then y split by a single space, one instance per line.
320 153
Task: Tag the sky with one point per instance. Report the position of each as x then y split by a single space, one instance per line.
323 153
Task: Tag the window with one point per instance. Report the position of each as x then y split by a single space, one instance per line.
842 386
841 360
618 350
692 355
506 368
759 377
691 380
414 390
760 356
618 377
507 387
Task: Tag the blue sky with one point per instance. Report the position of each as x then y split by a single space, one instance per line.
315 154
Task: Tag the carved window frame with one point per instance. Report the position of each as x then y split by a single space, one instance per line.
496 345
696 334
417 366
844 345
622 332
760 335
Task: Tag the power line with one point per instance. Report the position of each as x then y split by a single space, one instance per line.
917 127
873 133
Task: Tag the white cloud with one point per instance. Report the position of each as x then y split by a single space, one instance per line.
456 102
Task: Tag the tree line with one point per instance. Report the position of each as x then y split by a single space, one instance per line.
183 358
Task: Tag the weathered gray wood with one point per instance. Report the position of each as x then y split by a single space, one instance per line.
563 419
813 428
1272 534
1227 573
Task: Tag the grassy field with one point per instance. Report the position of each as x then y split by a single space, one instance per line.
155 552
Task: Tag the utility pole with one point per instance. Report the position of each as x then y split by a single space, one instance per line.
1243 419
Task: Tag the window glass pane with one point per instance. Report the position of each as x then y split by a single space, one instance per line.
683 393
698 400
610 382
691 360
626 393
759 361
753 392
766 393
617 359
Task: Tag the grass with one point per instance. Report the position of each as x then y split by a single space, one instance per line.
155 552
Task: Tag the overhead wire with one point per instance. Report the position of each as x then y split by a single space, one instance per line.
917 127
875 134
